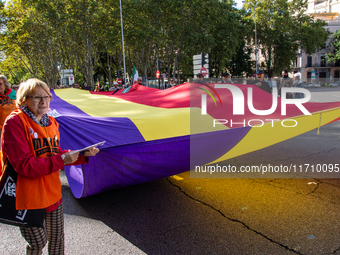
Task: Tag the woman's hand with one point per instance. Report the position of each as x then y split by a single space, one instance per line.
70 158
91 152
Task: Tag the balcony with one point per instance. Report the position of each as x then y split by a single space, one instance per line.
333 22
319 65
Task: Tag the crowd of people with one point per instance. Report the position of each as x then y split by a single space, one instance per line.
114 87
260 81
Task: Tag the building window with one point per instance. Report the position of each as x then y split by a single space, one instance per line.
309 76
322 76
337 75
323 61
295 62
309 61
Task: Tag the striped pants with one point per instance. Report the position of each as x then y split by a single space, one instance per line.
53 232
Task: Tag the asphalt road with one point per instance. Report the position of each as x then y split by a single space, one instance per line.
182 215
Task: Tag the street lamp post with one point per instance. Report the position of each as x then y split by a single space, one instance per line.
121 25
254 5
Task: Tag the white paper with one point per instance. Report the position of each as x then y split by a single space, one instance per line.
53 113
88 147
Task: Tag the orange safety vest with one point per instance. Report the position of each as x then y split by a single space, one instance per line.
43 191
7 106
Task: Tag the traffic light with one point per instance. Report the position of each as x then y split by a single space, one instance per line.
159 64
204 59
119 73
116 73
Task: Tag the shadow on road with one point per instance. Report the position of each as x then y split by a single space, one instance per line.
158 218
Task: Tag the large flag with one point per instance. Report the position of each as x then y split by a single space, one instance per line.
134 74
151 134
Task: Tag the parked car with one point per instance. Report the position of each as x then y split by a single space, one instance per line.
312 85
309 85
334 84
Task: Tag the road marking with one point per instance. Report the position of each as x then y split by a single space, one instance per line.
176 177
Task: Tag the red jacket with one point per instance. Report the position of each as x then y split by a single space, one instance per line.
17 148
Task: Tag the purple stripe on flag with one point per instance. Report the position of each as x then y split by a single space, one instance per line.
78 129
77 133
121 166
64 108
207 147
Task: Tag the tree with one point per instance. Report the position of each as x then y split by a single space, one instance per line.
284 30
42 36
334 56
241 63
174 31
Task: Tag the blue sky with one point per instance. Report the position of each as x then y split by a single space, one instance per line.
239 4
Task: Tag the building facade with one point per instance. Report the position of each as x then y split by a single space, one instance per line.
315 67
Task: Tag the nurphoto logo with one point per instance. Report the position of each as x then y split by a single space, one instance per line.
239 104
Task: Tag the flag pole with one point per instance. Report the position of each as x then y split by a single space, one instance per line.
121 25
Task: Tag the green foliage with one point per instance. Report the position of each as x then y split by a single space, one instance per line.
241 63
334 56
42 36
85 35
284 30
